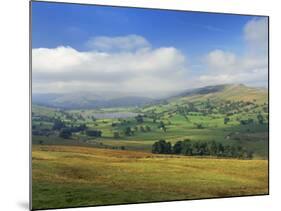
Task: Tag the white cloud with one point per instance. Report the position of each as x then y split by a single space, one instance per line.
250 67
219 60
130 64
129 42
64 69
256 35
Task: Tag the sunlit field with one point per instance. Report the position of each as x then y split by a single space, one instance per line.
135 105
77 176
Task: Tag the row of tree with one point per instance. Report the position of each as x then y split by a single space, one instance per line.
198 148
67 132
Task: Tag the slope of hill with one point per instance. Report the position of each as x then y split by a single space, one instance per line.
203 114
232 92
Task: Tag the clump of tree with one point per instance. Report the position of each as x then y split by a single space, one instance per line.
199 125
128 131
41 132
147 128
78 128
246 121
226 120
260 119
93 133
162 147
139 118
116 134
199 148
65 133
142 129
58 124
162 126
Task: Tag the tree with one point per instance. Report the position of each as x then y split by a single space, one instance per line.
58 124
177 148
191 107
78 128
116 134
187 148
226 120
65 133
249 154
161 124
139 119
142 129
260 119
213 148
200 148
162 147
147 128
94 133
199 125
220 149
128 131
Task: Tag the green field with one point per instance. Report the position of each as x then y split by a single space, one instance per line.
77 176
103 156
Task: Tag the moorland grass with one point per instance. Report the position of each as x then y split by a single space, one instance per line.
70 176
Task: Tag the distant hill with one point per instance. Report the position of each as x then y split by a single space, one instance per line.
87 100
233 92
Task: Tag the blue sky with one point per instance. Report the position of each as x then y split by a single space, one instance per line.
194 35
72 24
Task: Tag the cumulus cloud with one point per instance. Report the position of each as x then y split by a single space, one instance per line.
219 60
250 67
256 35
130 64
64 69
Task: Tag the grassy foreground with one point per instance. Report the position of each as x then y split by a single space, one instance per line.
80 176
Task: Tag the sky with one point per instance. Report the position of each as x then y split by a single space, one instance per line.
78 48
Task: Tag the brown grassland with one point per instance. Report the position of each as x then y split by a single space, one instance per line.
79 176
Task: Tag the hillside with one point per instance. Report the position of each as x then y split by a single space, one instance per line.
234 115
232 92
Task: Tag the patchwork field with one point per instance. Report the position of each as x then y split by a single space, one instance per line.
205 143
76 176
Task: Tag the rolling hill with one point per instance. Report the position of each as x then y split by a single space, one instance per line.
88 100
232 92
